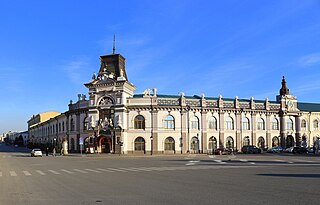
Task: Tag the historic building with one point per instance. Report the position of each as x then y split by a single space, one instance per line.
115 120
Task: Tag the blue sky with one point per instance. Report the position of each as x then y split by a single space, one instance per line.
49 49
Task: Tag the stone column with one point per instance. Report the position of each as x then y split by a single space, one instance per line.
183 137
253 128
221 128
238 132
282 131
204 140
154 131
298 130
268 128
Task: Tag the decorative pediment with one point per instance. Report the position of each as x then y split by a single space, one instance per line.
106 101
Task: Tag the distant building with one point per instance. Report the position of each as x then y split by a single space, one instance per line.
17 137
115 120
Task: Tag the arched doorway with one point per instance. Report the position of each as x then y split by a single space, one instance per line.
261 142
105 144
246 141
140 145
72 145
195 145
212 145
230 143
289 141
169 145
275 141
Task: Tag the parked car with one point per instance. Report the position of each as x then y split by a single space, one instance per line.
289 150
36 152
222 150
250 149
276 149
299 150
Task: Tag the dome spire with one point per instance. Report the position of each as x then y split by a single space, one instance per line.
284 90
114 44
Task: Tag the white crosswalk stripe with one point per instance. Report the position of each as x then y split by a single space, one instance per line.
54 172
13 173
66 171
26 173
81 171
40 172
104 170
92 170
117 170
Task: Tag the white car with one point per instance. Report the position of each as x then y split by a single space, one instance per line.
36 152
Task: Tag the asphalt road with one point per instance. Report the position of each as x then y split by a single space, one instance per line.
182 179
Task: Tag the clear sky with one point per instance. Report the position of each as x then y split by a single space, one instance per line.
50 48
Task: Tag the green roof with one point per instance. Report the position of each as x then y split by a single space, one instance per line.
309 107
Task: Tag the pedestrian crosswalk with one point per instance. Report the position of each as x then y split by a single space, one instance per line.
97 171
190 165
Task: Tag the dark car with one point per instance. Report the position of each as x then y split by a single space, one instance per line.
299 150
276 149
250 149
222 150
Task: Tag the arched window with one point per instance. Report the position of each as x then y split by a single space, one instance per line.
72 125
303 124
315 124
212 123
289 124
245 124
246 141
261 142
169 144
194 123
139 122
139 144
85 123
169 122
274 124
229 123
260 124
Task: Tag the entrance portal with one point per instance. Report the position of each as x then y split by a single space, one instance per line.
106 144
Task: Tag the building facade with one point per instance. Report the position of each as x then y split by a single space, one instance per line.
115 120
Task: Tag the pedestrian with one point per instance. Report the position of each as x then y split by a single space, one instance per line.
61 152
54 152
47 151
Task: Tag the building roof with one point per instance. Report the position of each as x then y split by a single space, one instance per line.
309 107
199 97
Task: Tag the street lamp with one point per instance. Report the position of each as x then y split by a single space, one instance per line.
151 138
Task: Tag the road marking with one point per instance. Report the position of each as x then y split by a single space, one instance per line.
54 172
81 171
104 170
13 173
117 170
26 173
40 172
67 171
243 160
92 170
219 161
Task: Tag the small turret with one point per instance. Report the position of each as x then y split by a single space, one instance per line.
284 90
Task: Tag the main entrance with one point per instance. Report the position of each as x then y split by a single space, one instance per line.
105 143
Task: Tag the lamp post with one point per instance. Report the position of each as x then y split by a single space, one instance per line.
151 138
